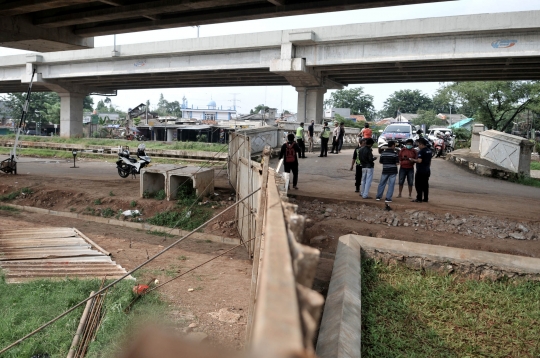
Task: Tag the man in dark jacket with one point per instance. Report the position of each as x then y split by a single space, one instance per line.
368 164
423 171
289 152
389 160
356 160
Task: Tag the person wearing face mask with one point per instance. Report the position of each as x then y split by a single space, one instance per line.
406 167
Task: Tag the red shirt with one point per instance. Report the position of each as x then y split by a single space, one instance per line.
409 153
366 133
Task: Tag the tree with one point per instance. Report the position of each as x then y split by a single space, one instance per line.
259 108
429 118
406 101
497 104
355 99
88 103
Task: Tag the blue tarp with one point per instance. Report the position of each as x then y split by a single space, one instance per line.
461 123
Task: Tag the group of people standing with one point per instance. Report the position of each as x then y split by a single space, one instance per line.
364 160
406 159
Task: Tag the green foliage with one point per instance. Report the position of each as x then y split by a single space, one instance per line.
111 193
107 213
166 108
535 165
9 208
527 181
462 133
133 203
10 196
27 191
187 215
27 306
137 120
202 138
406 101
497 104
259 108
182 258
97 202
429 118
159 233
424 314
160 195
348 122
355 99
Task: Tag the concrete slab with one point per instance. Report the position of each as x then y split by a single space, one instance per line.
341 326
411 252
473 162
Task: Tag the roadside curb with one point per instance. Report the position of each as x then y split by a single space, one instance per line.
134 225
341 325
481 169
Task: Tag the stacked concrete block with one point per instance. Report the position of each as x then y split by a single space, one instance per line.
170 177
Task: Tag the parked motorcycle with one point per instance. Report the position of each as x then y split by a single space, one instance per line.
449 143
127 165
439 146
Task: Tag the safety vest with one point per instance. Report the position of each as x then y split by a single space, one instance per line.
299 133
358 156
325 132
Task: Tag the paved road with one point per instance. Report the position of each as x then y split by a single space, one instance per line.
452 188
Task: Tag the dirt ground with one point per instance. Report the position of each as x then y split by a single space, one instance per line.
221 284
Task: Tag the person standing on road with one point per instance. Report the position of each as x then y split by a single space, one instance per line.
389 160
406 167
290 161
335 135
368 164
341 136
366 132
325 135
311 130
300 139
356 160
423 171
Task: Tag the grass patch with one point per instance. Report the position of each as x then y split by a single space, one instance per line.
160 195
159 233
27 306
182 258
408 313
9 208
10 196
187 215
97 202
133 203
535 165
111 193
527 181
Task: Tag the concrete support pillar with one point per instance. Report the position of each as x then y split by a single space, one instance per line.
475 138
310 104
71 114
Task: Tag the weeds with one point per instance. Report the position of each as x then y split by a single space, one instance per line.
27 191
426 314
10 196
107 212
535 165
97 202
160 195
72 209
9 208
111 193
159 233
89 211
133 203
527 181
182 258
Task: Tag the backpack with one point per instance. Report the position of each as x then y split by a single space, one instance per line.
290 154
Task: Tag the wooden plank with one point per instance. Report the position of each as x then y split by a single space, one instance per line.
92 243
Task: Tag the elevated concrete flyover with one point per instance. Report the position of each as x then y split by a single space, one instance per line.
55 25
502 46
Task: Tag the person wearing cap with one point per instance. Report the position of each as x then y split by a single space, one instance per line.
406 167
423 171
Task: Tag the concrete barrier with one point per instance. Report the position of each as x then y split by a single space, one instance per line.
169 177
475 138
508 151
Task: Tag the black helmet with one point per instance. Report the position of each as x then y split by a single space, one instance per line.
419 131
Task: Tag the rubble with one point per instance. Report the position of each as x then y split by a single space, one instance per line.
465 224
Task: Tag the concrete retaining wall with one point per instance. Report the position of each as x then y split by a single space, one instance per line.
508 151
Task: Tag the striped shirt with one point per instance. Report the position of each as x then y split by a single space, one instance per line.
389 160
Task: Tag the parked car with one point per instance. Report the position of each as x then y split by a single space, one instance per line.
398 132
31 132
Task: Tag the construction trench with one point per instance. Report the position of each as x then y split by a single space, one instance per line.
307 243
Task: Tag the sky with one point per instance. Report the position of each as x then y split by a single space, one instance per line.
285 97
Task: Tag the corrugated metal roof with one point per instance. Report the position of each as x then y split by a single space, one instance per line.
53 253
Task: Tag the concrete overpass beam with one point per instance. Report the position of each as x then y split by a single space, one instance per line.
310 104
71 114
19 32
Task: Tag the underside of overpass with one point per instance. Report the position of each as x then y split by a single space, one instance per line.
55 25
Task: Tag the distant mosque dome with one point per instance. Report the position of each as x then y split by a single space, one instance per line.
212 104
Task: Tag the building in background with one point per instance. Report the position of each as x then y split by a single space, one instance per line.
212 112
330 113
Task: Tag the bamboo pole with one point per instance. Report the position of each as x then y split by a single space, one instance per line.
80 328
